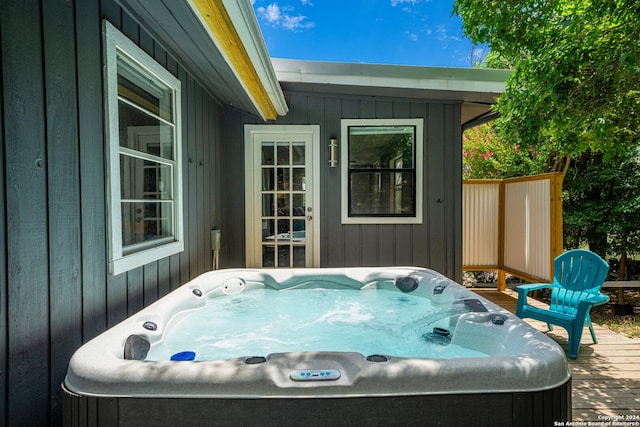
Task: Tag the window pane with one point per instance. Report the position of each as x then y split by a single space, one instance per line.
140 88
146 221
144 133
381 147
382 193
144 179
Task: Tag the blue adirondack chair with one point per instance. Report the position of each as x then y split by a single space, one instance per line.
578 277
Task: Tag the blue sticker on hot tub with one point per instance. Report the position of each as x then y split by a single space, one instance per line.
183 355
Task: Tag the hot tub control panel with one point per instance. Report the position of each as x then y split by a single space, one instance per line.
315 375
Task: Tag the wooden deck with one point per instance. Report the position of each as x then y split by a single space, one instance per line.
606 376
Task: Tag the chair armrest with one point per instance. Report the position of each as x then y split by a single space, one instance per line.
595 299
525 289
585 305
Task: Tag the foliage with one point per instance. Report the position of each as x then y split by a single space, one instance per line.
485 155
577 72
602 202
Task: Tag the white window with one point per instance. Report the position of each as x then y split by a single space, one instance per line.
382 171
144 166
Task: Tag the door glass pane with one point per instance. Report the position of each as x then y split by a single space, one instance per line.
267 205
283 229
298 235
298 256
283 153
284 206
267 179
268 231
298 179
284 253
268 256
267 153
298 156
298 204
283 179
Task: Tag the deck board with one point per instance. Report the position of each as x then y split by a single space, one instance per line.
605 376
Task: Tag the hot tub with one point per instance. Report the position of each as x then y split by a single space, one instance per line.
471 362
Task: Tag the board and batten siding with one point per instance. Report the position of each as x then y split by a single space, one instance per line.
436 243
55 292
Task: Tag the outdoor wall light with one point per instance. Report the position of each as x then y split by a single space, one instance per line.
333 152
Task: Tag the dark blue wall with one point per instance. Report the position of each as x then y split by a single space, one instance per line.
55 292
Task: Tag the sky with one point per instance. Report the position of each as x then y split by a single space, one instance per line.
400 32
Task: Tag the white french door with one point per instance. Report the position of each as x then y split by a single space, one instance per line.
282 197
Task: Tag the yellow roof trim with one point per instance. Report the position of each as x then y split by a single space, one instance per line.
221 26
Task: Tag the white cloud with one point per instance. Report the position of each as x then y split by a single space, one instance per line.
394 3
295 22
280 17
412 36
271 13
444 36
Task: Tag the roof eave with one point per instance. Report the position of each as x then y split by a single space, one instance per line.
234 29
241 12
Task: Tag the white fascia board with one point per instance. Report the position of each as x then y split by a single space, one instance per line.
392 76
246 24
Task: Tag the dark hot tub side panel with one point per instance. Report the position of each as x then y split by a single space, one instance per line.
538 408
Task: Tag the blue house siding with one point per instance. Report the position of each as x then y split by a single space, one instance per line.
434 244
55 292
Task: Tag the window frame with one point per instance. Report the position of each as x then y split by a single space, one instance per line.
124 258
418 124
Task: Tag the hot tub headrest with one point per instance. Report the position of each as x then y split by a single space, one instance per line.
136 347
233 286
407 283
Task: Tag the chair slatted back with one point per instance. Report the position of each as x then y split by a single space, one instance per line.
579 273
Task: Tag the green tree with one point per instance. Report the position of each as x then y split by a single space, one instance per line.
601 203
576 83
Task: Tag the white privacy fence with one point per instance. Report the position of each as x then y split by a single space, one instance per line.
513 225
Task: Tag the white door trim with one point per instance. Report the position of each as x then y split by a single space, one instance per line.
253 182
